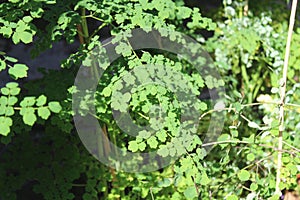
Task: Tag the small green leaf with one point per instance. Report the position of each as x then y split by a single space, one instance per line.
232 197
27 19
203 106
133 146
201 153
29 118
126 97
204 179
244 175
13 88
234 133
163 151
184 12
14 1
26 110
9 111
119 18
106 91
54 106
190 192
44 112
152 142
292 168
87 62
27 102
146 108
5 91
142 146
253 186
165 183
223 138
129 79
161 135
2 109
15 91
12 85
16 38
37 13
5 123
144 134
2 65
11 59
6 31
3 101
18 71
250 157
172 151
209 82
12 100
237 106
123 49
26 37
251 139
42 100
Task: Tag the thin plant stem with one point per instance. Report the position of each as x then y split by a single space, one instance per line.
282 95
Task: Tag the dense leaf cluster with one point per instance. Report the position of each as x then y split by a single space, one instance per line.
42 156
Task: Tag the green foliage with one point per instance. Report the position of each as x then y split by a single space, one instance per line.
244 175
8 102
247 48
